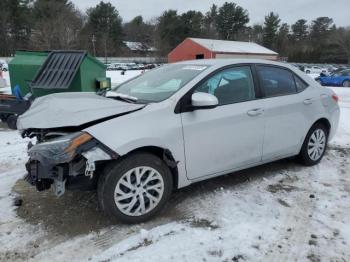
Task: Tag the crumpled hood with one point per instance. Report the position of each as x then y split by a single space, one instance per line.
71 110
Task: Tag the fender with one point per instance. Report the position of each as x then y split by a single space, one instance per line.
143 129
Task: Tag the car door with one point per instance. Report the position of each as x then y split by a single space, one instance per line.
287 111
229 136
344 76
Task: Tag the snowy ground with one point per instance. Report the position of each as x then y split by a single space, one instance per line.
276 212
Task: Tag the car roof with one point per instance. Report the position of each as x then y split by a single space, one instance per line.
224 62
219 63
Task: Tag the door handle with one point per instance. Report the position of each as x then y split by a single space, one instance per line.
255 112
307 101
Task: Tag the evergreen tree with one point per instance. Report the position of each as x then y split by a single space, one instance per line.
321 26
342 39
191 22
139 31
320 38
231 19
282 41
169 31
105 25
15 26
300 30
271 26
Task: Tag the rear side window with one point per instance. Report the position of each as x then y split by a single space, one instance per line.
345 73
276 81
301 85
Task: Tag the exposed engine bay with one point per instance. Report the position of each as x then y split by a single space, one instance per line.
65 159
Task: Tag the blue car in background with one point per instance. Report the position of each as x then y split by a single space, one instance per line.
341 78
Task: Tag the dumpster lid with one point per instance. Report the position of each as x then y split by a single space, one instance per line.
58 70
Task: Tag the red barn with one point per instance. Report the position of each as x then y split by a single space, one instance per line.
197 48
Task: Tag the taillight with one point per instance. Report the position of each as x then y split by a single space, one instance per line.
335 98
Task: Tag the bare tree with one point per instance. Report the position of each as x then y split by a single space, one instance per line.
57 25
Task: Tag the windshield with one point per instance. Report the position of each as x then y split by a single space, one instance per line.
159 84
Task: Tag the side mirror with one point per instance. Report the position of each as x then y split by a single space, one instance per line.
204 101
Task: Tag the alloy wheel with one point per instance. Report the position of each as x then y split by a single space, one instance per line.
139 191
317 144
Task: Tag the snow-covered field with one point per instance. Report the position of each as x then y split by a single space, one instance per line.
276 212
117 77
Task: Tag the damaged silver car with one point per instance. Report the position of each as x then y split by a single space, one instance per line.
173 126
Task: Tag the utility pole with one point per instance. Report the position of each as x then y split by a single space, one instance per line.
93 44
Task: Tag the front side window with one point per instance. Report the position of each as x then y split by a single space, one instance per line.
159 84
276 81
230 86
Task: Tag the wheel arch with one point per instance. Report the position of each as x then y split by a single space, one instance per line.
324 121
165 155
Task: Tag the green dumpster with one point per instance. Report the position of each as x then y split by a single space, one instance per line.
23 67
68 71
43 73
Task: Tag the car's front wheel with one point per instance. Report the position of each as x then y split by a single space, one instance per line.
136 188
315 145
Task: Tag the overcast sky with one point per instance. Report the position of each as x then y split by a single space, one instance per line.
289 10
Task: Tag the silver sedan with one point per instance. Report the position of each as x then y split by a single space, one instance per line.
177 125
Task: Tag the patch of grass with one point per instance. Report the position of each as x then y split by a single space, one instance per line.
313 258
203 223
283 203
281 187
146 242
215 253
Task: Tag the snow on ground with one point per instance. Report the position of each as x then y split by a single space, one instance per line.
313 76
343 134
277 212
6 89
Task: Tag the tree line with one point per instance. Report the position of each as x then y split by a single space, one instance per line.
59 25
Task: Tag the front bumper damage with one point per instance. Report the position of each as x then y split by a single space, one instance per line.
78 172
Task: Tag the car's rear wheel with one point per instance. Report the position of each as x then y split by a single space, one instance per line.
346 83
136 188
315 145
307 71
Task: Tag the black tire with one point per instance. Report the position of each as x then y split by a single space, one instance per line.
346 83
304 155
3 118
115 171
12 122
307 72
